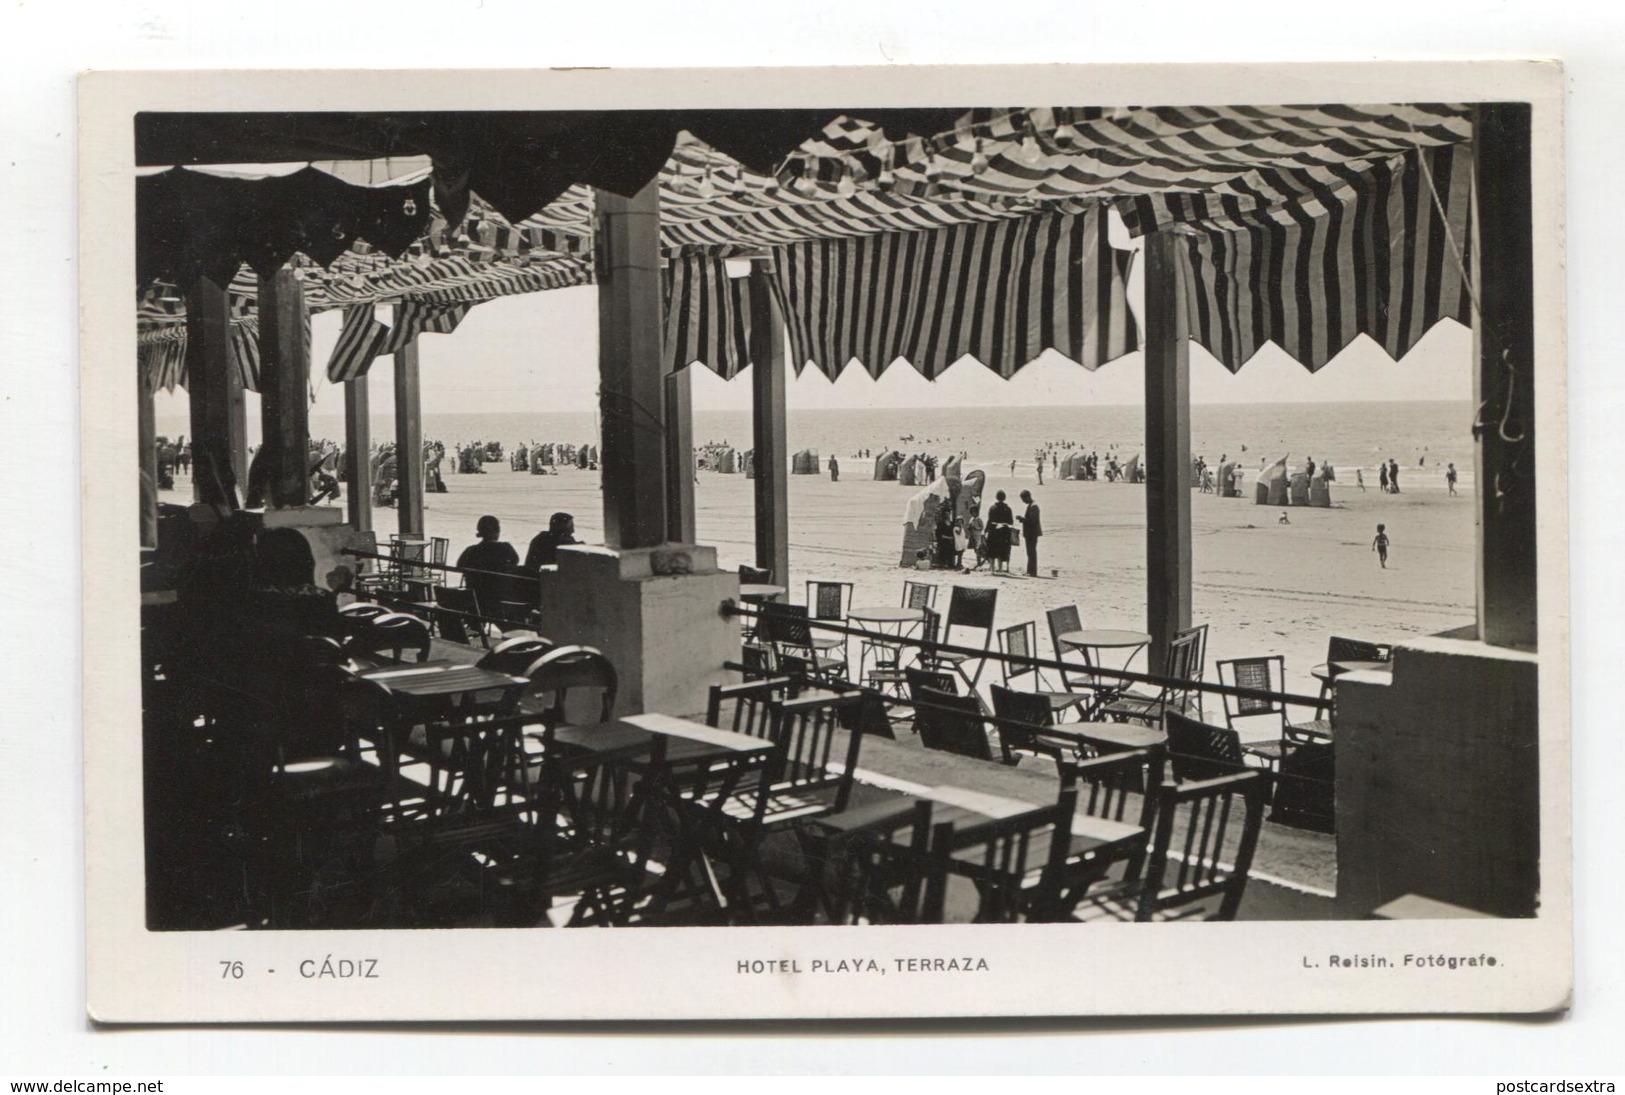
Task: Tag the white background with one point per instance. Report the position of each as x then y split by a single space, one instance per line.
43 1031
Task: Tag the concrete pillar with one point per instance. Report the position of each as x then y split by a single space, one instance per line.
1167 447
1502 269
284 388
408 441
769 433
357 455
631 368
217 434
680 456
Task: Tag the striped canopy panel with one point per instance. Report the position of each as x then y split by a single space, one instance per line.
1305 226
1000 291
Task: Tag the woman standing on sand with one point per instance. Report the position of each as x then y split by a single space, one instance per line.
1000 522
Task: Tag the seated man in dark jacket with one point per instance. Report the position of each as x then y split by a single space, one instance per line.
496 559
544 549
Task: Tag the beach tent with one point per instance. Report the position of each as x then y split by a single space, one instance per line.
748 463
804 462
909 472
969 494
1229 480
952 468
1131 470
728 462
920 519
886 465
1298 489
1272 486
1320 491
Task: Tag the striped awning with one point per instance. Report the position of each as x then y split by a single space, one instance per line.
161 354
1001 292
1384 254
1306 226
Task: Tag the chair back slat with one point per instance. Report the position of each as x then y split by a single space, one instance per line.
828 600
1200 820
997 855
1339 649
919 594
955 724
973 607
1020 716
1198 750
566 672
886 874
1264 674
1063 619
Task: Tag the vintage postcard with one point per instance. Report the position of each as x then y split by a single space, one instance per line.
881 542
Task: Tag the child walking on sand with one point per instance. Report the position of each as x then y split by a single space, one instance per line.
1380 545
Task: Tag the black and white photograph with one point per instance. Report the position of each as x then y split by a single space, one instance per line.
1033 519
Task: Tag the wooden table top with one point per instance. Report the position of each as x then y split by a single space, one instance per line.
440 678
751 591
686 739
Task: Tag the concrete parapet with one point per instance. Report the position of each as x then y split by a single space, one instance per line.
1437 779
654 612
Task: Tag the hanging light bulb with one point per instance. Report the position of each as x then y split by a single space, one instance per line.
409 207
848 185
707 188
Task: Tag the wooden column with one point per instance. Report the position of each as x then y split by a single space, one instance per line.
284 388
358 455
768 429
210 377
1167 447
408 441
237 408
1502 270
146 430
631 370
680 456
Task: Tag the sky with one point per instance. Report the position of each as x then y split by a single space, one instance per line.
538 352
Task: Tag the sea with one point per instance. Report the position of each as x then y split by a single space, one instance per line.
1421 436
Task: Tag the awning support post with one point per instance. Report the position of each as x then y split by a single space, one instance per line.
680 456
217 433
358 455
284 388
768 428
1168 447
1502 269
631 372
408 441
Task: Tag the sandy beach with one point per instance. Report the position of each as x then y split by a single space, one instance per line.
1260 586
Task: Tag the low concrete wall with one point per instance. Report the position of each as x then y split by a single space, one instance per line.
654 612
1437 779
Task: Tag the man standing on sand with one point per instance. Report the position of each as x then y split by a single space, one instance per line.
1393 476
1032 527
1450 478
834 470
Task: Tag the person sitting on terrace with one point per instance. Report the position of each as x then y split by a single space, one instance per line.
492 556
544 549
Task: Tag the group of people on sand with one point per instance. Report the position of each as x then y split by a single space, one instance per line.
989 542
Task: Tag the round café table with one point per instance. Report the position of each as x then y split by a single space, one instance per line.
1091 639
759 591
1326 672
891 622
